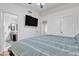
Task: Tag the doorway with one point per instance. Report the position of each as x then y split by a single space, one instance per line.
44 27
10 29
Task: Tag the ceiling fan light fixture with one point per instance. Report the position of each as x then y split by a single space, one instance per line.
40 3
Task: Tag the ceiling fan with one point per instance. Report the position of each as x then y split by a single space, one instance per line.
40 4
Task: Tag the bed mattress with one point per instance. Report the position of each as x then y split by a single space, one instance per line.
46 45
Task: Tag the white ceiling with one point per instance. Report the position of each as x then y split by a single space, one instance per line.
47 6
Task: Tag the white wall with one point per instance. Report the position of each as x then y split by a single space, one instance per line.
23 31
65 20
0 30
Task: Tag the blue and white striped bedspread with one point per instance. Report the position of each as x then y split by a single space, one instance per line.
48 45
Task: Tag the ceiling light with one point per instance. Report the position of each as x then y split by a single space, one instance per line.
40 4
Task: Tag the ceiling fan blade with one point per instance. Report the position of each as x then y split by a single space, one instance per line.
41 5
29 3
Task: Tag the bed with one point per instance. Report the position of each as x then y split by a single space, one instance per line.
46 45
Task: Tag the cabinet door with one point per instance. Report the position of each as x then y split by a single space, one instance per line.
67 26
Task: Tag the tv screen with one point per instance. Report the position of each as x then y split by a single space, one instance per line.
31 21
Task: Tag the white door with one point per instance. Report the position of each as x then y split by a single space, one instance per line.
54 26
67 27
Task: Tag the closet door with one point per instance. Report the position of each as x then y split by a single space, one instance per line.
53 26
67 27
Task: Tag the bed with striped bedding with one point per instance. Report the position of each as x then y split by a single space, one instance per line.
46 45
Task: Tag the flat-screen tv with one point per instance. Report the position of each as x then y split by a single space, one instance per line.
31 21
